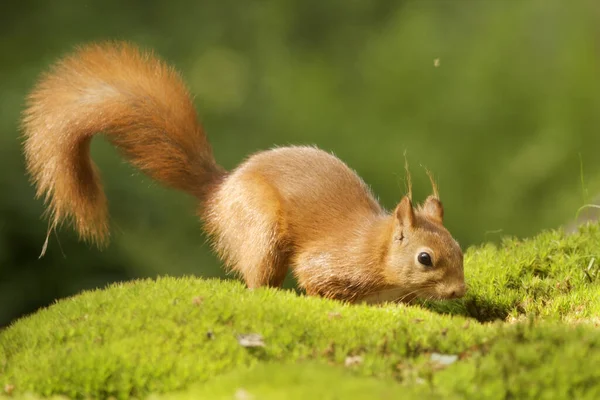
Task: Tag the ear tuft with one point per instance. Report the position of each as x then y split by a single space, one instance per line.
408 178
404 212
434 187
433 209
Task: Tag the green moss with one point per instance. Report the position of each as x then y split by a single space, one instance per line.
181 336
162 335
554 276
299 381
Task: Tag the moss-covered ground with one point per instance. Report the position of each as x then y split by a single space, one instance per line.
529 327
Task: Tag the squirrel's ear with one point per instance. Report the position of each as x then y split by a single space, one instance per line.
433 209
404 212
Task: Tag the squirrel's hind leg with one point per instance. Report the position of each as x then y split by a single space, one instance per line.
244 219
269 270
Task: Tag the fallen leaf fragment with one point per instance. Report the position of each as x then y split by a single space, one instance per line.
334 315
443 359
8 388
353 360
251 340
242 394
197 300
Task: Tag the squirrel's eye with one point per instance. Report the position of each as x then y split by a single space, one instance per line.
425 259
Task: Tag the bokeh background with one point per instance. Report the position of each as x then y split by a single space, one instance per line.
507 118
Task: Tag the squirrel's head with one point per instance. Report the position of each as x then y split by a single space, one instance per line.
423 257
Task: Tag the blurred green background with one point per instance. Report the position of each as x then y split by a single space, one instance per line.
507 121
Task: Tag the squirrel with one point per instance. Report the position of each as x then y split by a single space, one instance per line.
295 207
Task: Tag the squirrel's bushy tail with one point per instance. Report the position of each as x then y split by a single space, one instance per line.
143 108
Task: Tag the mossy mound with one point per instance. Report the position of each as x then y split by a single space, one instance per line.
553 276
194 338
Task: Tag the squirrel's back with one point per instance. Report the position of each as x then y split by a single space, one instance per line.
316 190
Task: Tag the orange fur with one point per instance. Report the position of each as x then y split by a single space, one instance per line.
144 109
297 207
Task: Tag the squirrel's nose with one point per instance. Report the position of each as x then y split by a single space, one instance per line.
458 291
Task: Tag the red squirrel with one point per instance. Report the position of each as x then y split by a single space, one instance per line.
295 207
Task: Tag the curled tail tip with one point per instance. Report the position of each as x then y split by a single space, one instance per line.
88 216
95 235
100 239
